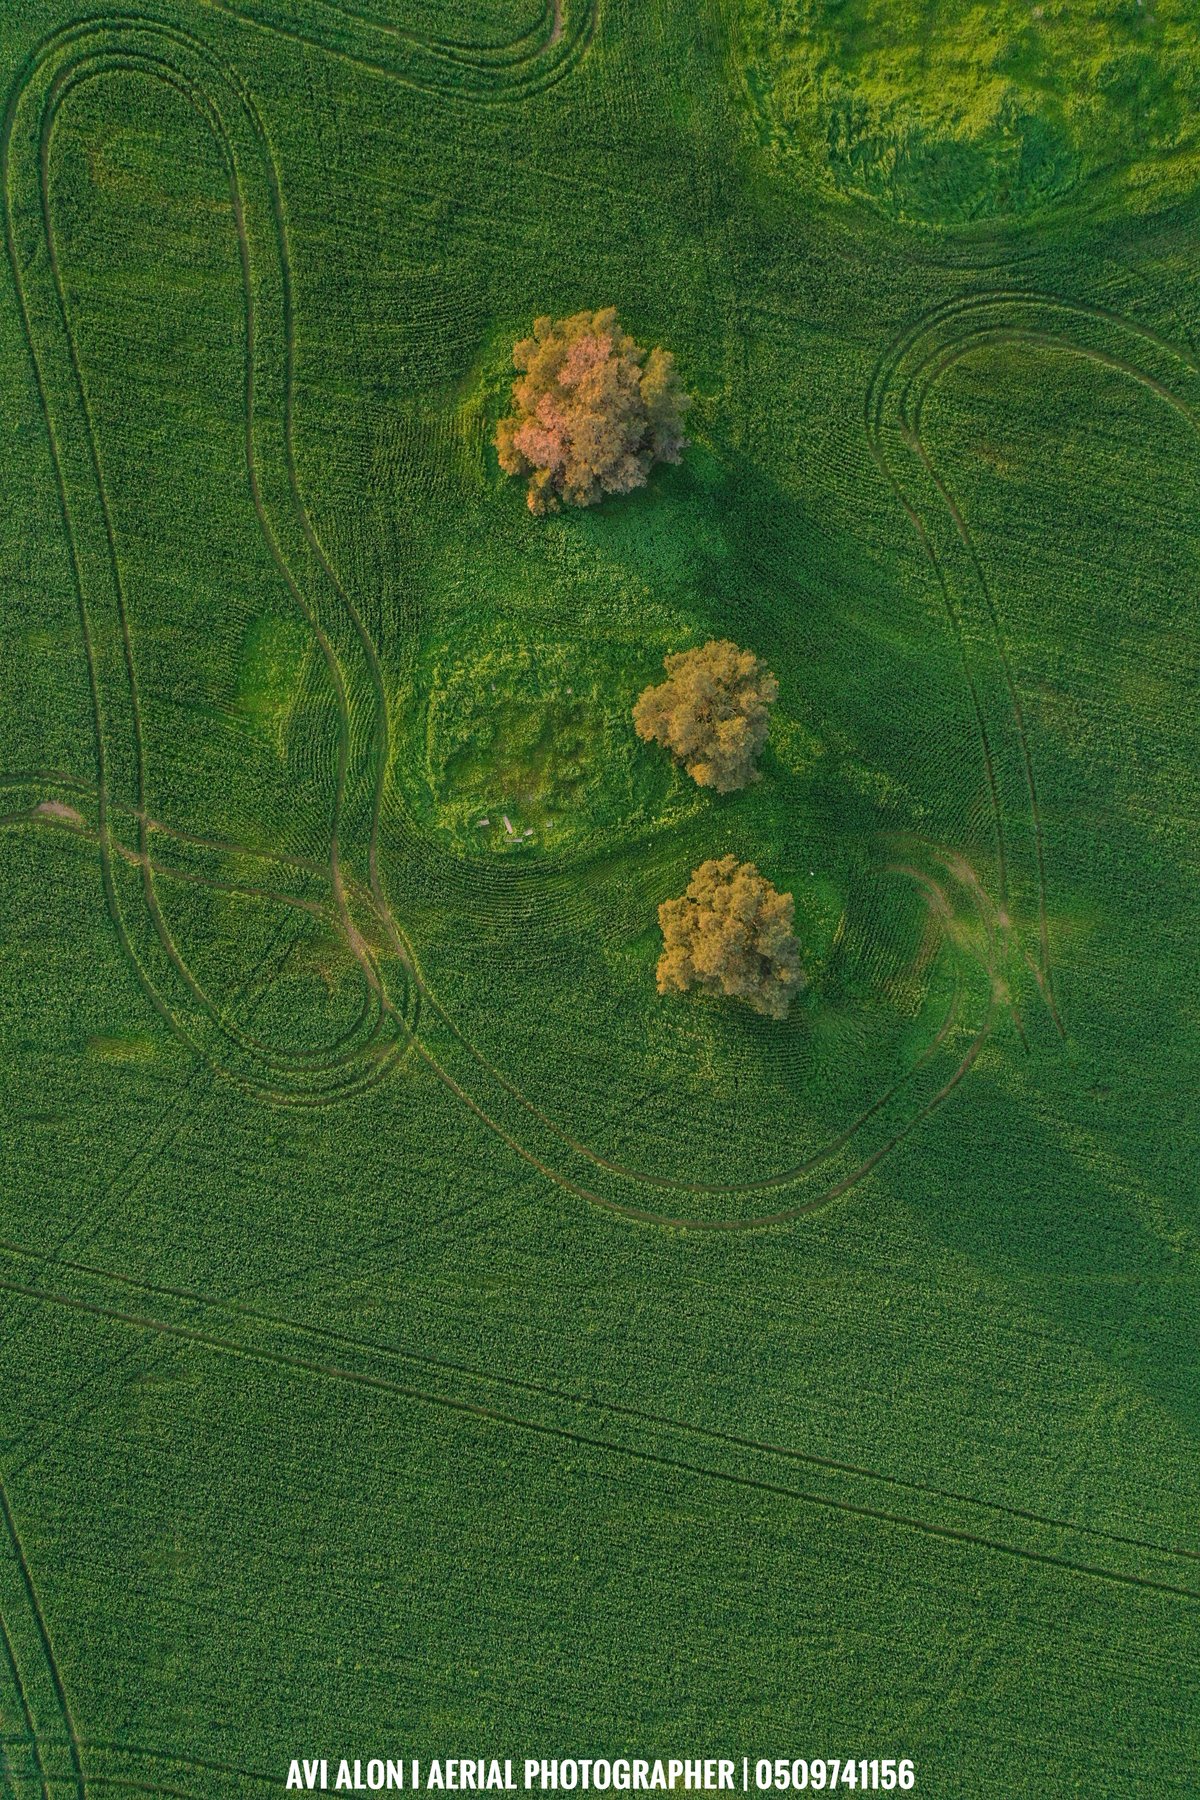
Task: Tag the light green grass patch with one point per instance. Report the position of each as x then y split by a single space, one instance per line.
945 114
270 674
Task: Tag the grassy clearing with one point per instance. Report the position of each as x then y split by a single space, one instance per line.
925 1451
945 115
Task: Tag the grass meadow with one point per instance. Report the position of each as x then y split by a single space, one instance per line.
416 1336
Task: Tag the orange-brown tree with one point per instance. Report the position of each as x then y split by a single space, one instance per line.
592 411
711 712
731 933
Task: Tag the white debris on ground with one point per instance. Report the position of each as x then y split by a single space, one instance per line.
508 825
482 823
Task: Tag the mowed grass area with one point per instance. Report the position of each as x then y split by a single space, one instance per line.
418 1336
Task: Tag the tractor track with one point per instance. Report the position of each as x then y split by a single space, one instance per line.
605 1446
445 67
128 43
901 383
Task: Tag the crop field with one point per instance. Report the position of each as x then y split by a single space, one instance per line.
417 1336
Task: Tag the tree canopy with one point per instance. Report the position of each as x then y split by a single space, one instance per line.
592 411
731 933
711 712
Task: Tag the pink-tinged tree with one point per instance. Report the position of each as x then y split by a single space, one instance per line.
592 414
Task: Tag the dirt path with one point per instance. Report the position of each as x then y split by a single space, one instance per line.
57 809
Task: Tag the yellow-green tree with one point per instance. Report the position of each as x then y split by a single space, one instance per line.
731 933
711 712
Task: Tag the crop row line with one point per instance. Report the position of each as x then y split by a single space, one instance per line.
591 1441
345 1343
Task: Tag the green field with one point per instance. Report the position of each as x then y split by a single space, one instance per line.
418 1337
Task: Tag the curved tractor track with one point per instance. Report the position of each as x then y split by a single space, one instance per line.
529 63
67 62
393 985
396 997
901 385
994 941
